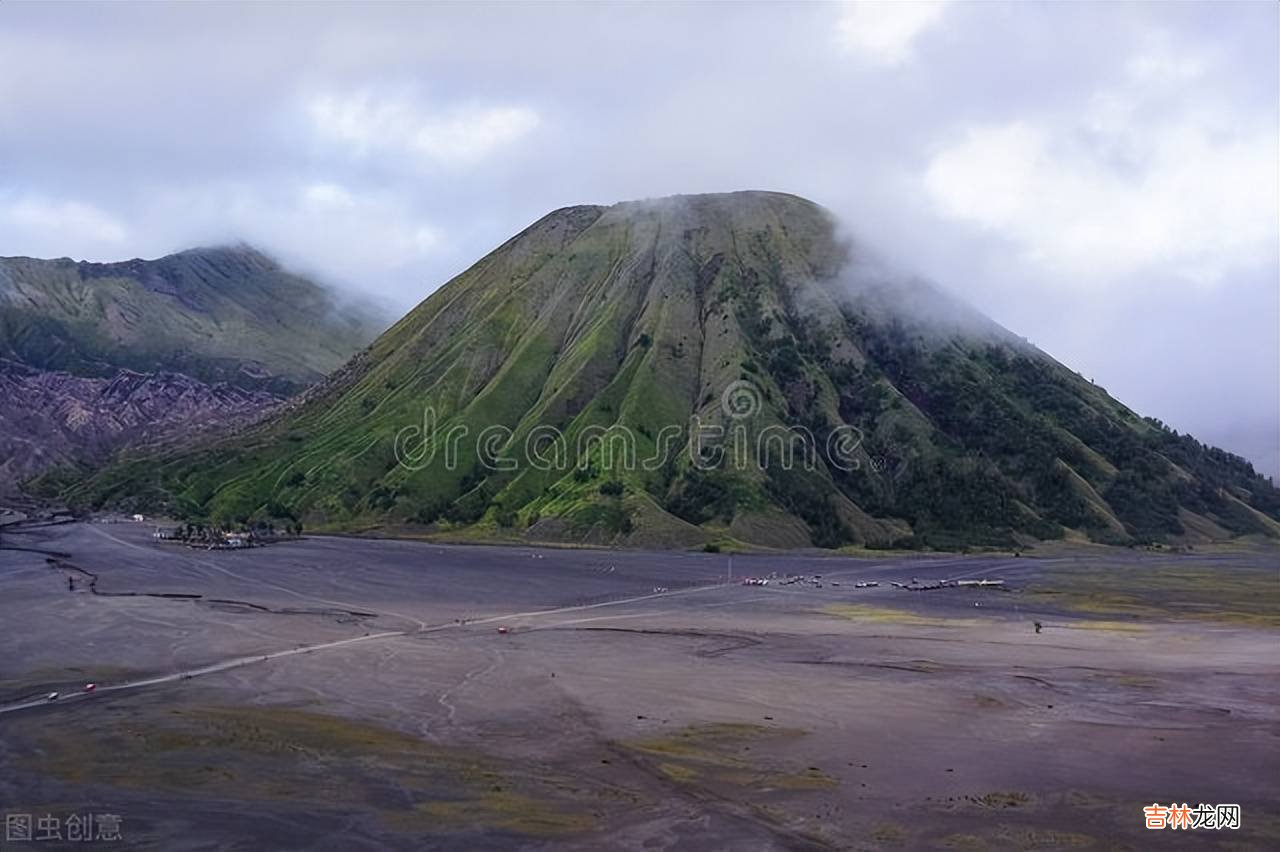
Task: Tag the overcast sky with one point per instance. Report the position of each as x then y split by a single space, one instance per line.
1101 178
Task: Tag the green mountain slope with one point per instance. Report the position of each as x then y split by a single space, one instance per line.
217 314
554 391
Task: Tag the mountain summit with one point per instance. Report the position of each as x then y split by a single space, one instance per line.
701 368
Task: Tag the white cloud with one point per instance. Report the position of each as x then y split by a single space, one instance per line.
1140 180
1158 61
62 222
884 31
460 135
326 196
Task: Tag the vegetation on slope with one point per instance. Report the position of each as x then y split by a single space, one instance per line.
628 330
217 314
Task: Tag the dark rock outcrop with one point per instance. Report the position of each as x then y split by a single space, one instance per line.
50 418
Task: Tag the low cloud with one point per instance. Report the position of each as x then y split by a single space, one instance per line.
332 232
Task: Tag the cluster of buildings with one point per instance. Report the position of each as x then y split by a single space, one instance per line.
211 538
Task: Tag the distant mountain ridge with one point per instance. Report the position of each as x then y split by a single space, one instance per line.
99 356
931 425
223 314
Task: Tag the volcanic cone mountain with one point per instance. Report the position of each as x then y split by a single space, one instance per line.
704 368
